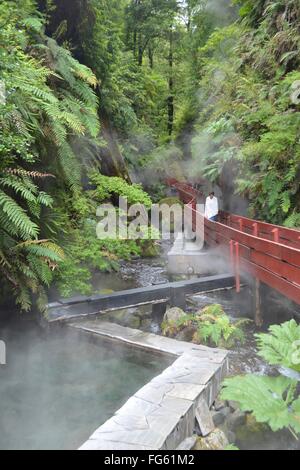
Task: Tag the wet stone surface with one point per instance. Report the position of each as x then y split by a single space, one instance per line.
161 414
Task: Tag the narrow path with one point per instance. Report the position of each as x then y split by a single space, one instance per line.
270 253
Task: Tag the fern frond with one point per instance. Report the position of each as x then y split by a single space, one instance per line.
27 191
85 74
41 269
45 199
39 94
73 122
17 216
30 174
44 251
23 298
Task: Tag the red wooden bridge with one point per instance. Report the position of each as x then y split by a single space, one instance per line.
269 253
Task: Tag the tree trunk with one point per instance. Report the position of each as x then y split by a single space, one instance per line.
134 43
171 87
140 51
189 18
151 57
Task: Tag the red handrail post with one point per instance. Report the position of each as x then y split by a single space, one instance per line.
241 224
275 231
231 243
255 229
237 267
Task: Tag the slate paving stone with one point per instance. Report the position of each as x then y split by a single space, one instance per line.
204 418
161 414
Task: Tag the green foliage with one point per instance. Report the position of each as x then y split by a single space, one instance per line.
158 66
47 102
231 447
250 122
281 345
212 327
106 187
173 327
272 400
85 254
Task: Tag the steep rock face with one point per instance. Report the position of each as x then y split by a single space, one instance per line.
112 161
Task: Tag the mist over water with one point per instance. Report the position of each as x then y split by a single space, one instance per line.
58 387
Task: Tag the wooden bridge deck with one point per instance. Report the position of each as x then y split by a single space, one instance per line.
268 252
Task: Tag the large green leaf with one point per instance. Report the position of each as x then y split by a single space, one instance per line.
270 399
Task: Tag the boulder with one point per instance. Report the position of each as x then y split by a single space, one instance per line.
216 440
230 436
235 420
173 314
219 404
126 317
186 334
146 324
219 417
134 322
233 405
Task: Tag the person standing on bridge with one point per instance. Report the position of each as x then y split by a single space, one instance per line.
212 207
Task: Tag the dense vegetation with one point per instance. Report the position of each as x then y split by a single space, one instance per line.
210 326
97 94
249 129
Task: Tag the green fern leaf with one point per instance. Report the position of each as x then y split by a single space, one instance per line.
17 216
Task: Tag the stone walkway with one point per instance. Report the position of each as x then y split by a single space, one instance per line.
161 414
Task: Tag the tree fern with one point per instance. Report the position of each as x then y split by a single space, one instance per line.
49 100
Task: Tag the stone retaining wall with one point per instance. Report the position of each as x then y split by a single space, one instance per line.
162 413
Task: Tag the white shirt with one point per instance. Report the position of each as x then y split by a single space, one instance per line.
211 207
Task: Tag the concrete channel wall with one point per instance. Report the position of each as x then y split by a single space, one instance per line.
162 413
173 293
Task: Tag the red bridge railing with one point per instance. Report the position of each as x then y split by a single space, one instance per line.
270 253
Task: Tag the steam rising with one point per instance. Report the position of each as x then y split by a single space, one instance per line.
57 388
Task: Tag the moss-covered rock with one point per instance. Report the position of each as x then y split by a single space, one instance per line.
216 440
126 317
150 250
186 334
173 314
